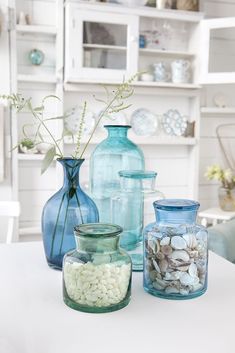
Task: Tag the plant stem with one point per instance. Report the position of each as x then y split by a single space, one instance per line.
50 134
56 223
66 213
96 125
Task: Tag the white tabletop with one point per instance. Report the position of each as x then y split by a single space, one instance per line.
34 319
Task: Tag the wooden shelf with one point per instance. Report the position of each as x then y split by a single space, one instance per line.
143 140
104 47
165 53
216 110
36 78
31 29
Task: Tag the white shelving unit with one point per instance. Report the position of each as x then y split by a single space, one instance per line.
34 81
83 77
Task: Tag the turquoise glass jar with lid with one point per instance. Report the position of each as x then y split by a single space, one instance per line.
97 275
130 207
113 154
175 251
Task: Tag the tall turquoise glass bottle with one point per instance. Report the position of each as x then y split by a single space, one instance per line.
113 154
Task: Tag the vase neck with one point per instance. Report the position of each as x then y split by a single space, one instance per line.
71 169
117 131
176 212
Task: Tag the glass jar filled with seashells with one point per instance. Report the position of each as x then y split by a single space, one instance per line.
175 251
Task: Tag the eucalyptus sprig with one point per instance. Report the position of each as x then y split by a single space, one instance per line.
114 102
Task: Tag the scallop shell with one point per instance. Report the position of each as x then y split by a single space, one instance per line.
157 286
165 241
177 242
166 250
191 240
180 255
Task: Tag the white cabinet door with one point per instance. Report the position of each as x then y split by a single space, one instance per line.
100 47
217 57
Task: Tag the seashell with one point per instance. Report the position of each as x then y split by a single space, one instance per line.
184 291
186 279
183 268
172 276
157 286
174 263
196 287
180 255
177 242
165 241
163 264
193 253
153 245
161 282
202 236
160 255
159 276
191 240
171 290
192 270
157 268
166 250
153 275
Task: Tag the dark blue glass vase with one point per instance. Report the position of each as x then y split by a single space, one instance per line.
67 208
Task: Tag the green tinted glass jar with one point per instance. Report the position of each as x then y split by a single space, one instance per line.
97 275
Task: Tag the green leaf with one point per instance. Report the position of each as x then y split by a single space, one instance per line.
48 159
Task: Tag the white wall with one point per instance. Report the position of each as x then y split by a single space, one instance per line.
210 152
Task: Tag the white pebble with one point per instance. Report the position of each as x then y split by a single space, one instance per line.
96 284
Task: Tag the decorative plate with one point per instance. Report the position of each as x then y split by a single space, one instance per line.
174 123
144 122
72 122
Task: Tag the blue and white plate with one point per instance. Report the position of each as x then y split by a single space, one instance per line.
144 122
174 123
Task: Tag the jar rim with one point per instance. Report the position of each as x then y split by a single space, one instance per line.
98 230
137 174
176 205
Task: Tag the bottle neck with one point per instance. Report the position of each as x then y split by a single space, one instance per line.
97 245
164 217
71 169
115 131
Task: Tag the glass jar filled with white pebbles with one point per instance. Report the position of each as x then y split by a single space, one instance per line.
175 251
97 275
